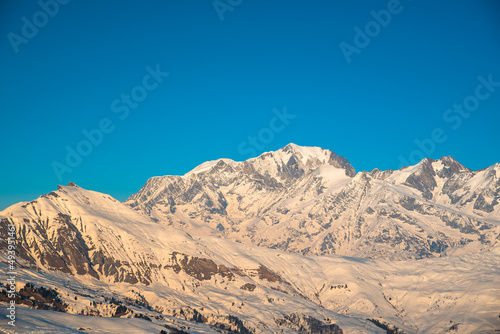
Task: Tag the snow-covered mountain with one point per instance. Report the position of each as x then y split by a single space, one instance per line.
260 247
104 258
310 201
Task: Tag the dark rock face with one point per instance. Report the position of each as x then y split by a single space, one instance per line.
232 324
69 241
481 204
423 179
453 184
381 174
411 204
485 199
199 268
341 162
22 251
36 297
307 324
121 272
451 167
61 251
390 329
267 274
248 287
455 174
292 168
329 244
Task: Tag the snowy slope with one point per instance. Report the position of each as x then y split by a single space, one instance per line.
51 322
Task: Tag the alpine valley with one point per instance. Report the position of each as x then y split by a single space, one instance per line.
292 241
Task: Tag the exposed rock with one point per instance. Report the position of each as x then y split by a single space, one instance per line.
199 268
248 287
307 324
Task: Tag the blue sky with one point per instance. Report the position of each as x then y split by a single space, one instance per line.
231 71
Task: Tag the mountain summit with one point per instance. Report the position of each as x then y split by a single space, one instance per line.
306 158
291 159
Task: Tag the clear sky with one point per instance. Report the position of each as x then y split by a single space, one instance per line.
162 86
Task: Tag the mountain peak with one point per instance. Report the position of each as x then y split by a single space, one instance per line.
447 163
303 157
453 165
312 156
306 151
209 165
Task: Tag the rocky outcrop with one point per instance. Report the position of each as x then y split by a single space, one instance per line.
307 324
198 268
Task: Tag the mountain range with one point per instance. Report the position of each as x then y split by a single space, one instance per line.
291 241
310 201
